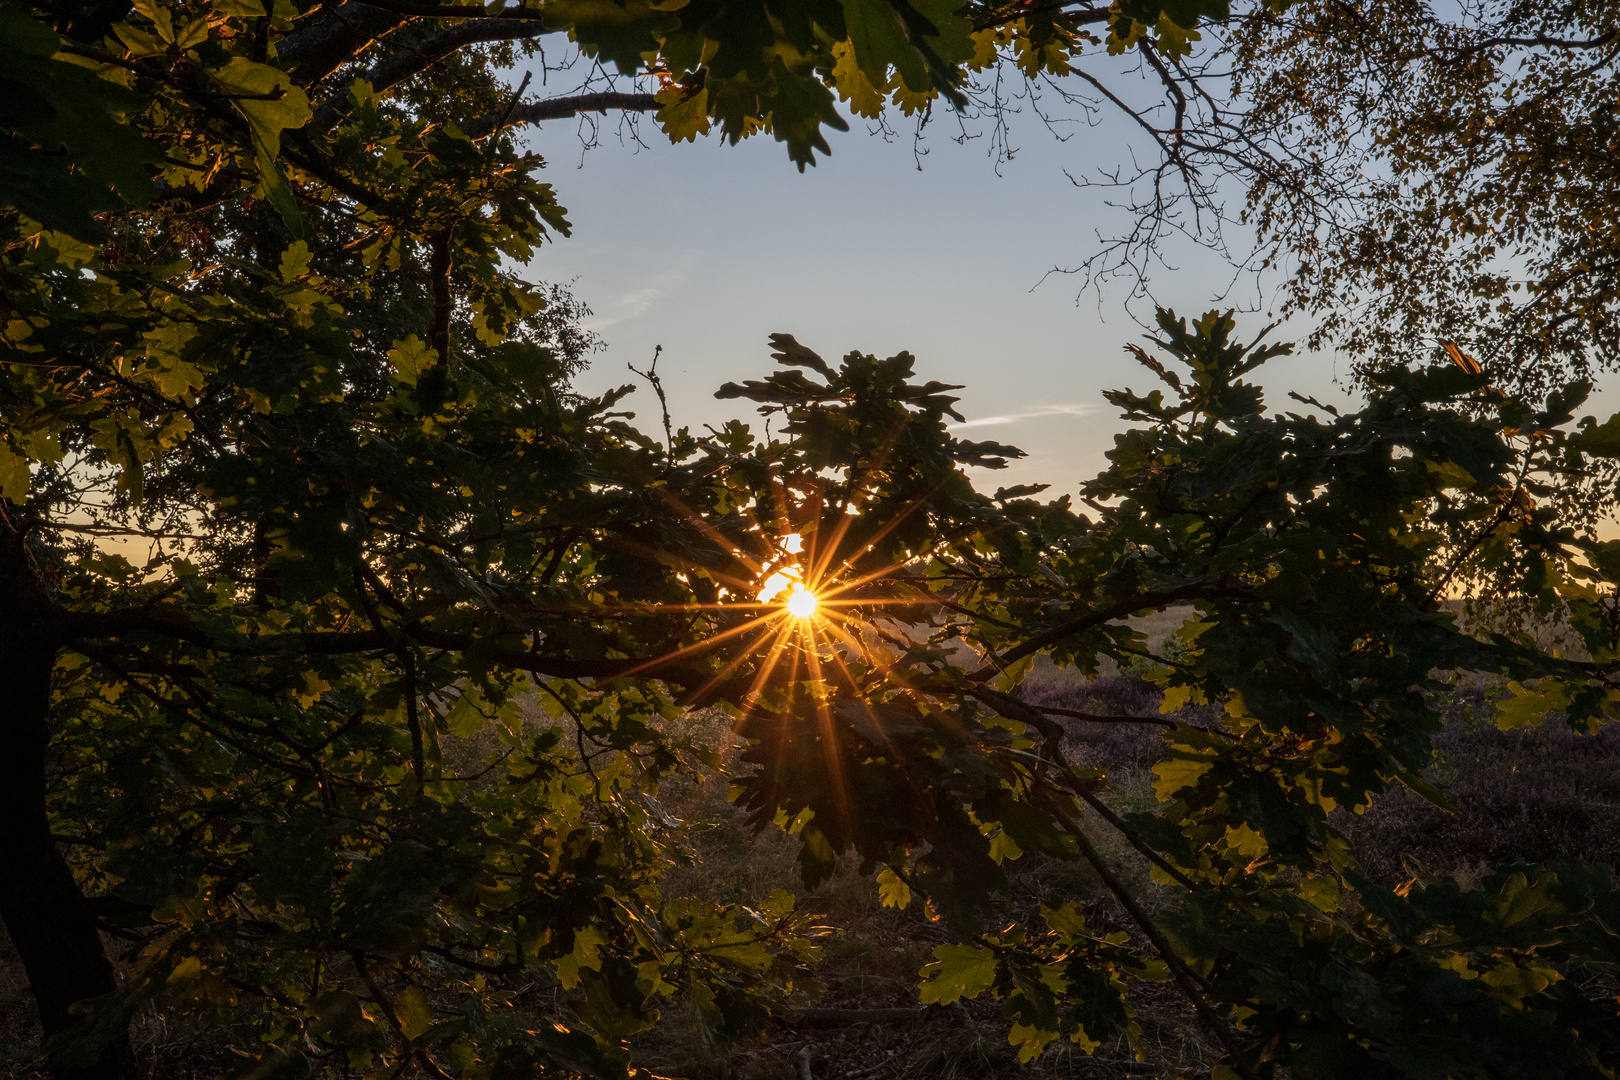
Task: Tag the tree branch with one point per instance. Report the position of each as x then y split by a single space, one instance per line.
327 42
1094 617
414 59
1185 980
561 108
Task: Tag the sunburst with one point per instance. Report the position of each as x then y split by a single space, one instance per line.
801 603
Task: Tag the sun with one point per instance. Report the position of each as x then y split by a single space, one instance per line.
801 602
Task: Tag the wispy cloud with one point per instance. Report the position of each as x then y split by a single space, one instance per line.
637 302
1013 418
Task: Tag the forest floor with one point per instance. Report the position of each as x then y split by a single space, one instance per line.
1536 794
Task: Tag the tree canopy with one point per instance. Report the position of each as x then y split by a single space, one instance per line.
1394 172
300 515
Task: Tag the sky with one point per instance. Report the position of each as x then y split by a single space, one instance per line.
706 249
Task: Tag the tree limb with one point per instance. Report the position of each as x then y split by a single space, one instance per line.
560 108
414 59
325 43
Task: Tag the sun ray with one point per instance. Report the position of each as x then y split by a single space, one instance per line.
742 657
877 722
699 646
829 735
865 579
888 670
880 459
820 570
711 532
774 656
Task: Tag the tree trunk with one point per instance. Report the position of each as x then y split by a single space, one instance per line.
51 925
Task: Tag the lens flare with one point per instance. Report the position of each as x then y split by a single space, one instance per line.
801 602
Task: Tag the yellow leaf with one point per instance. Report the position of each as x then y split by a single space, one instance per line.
1177 696
985 47
1245 841
853 86
1530 705
1030 1041
295 262
912 102
958 971
892 891
410 358
586 955
1066 920
1177 772
683 118
1013 674
414 1013
1003 846
1518 981
1321 893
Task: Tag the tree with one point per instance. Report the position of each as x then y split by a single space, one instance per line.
258 319
1318 552
1397 172
1476 150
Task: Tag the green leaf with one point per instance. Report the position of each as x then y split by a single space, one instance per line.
879 39
274 187
271 103
53 102
800 106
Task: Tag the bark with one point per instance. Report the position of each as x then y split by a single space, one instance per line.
421 56
328 40
51 925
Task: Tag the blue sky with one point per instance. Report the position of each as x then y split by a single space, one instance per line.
706 249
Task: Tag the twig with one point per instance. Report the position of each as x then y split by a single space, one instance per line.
651 375
412 720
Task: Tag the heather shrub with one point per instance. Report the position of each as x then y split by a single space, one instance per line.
1116 745
1537 794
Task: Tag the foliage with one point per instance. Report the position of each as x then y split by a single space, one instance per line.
1317 551
1457 176
290 361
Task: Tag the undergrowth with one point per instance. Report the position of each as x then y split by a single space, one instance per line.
1536 794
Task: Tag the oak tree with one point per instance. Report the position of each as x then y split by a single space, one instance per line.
300 515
